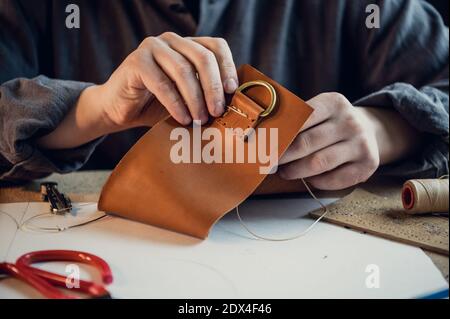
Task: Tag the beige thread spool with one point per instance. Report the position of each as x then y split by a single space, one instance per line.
425 196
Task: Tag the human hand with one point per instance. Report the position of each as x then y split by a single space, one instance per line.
338 146
187 75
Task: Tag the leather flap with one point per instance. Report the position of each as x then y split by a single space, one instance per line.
147 186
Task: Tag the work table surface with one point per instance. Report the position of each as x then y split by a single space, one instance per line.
86 186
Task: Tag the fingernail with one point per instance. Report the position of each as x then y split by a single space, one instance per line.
219 108
230 86
186 120
203 117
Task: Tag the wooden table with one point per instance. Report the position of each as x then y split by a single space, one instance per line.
86 186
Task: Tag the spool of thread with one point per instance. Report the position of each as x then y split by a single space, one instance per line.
421 196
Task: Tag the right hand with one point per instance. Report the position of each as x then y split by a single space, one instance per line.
187 75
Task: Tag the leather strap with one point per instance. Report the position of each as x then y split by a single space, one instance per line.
189 198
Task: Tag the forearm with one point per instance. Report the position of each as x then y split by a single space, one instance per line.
396 138
84 123
29 107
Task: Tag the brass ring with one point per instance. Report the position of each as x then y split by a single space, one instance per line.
268 86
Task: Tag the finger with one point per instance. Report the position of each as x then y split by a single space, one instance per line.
181 71
313 140
319 115
320 162
156 81
342 177
207 67
225 60
326 106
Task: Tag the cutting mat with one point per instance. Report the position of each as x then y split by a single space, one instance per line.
385 217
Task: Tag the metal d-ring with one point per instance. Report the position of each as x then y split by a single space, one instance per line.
268 86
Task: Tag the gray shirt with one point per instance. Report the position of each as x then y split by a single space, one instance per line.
309 46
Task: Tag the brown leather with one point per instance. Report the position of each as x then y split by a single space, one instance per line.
233 119
274 184
147 186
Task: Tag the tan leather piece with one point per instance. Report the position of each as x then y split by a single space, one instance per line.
243 113
274 184
189 198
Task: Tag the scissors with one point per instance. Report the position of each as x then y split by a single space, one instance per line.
48 283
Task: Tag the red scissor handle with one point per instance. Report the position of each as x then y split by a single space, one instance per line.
87 287
68 255
35 281
45 281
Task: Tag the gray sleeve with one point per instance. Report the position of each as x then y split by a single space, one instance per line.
30 108
31 105
406 67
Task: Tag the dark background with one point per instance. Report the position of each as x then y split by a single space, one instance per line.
442 6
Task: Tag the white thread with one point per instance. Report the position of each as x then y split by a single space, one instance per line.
17 228
26 226
325 211
425 196
12 218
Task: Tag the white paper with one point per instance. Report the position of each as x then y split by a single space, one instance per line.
8 228
148 262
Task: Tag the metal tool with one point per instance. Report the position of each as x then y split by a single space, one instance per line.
59 202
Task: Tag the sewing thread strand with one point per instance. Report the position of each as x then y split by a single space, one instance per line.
426 196
325 211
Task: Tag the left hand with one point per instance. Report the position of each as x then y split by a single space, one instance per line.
337 147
